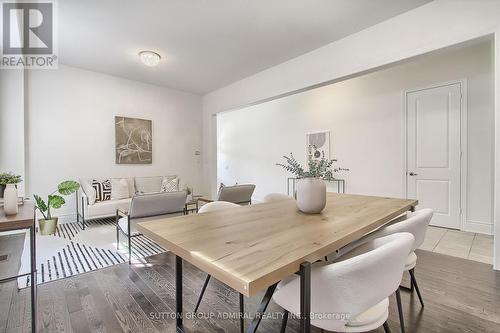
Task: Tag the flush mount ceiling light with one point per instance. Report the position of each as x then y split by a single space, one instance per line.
150 58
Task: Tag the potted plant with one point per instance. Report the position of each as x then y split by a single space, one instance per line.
8 178
189 192
8 191
48 224
311 187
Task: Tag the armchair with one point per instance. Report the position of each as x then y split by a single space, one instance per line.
147 207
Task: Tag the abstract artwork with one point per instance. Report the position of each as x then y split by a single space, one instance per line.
322 142
133 141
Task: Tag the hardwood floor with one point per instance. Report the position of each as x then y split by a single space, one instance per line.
460 296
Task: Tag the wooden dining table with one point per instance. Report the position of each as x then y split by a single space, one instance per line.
252 248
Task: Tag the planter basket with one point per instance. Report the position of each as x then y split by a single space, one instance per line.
47 227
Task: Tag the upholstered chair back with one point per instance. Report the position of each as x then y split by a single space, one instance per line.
154 204
356 284
239 194
415 223
216 206
271 197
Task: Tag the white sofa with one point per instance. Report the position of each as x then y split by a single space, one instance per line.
88 209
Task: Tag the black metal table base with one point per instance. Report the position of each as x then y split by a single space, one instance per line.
305 300
31 274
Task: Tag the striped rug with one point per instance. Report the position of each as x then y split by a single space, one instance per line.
74 251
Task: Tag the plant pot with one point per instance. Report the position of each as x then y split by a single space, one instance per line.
47 227
2 190
311 195
10 200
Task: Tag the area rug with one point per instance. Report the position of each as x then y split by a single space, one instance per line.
73 251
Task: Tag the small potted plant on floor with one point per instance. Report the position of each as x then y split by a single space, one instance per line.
311 187
48 224
8 191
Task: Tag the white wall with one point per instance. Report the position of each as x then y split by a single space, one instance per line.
12 123
364 116
71 128
496 208
438 24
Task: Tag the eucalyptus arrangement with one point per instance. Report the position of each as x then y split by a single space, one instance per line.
189 192
55 200
311 188
321 168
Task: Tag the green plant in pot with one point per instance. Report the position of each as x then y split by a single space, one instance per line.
189 192
48 224
8 178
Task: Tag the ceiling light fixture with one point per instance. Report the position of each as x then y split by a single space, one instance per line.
150 58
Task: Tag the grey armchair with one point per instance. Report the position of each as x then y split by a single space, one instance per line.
238 194
147 207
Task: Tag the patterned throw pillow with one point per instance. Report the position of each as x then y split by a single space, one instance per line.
170 185
102 190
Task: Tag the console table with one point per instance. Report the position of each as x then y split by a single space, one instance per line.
290 185
24 219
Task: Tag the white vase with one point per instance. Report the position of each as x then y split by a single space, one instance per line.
311 195
10 200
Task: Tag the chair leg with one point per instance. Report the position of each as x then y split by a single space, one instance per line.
117 238
202 292
129 249
386 328
284 321
414 283
242 314
400 311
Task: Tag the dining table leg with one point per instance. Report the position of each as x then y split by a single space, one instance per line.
242 313
33 277
305 297
261 309
178 294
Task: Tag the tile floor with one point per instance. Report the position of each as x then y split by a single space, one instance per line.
466 245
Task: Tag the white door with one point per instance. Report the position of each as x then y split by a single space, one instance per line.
433 152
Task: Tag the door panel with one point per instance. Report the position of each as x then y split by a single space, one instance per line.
434 194
433 151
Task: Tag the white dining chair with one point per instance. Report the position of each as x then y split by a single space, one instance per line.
213 207
272 197
415 223
351 295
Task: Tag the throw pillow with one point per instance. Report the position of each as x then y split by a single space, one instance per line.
119 189
102 190
170 184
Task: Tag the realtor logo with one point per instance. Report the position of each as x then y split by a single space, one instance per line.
28 35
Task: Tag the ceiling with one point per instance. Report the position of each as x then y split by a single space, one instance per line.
207 44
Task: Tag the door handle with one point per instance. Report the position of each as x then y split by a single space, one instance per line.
413 174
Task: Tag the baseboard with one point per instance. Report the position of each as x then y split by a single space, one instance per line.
479 227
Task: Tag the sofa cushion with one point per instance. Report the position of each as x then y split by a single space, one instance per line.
102 190
170 184
108 208
148 184
119 188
